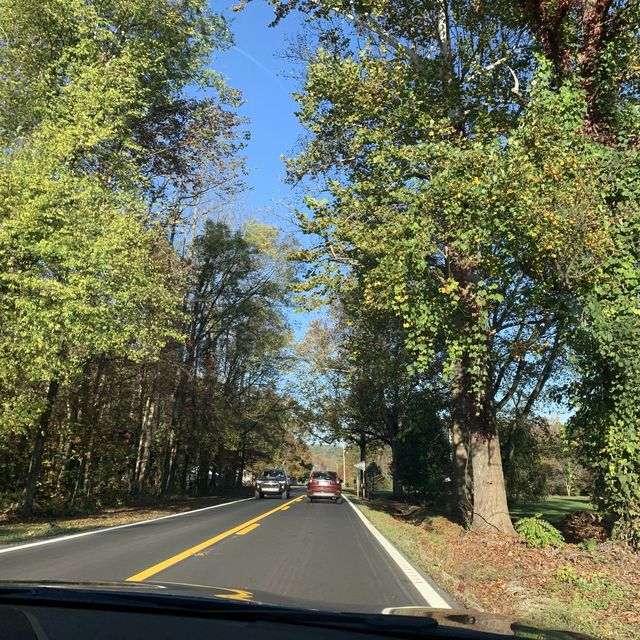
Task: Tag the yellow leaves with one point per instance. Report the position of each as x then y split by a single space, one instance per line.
533 234
550 216
449 287
476 180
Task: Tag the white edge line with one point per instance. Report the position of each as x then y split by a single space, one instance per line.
71 536
431 596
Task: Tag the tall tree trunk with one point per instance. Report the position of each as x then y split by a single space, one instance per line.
167 464
462 480
144 446
477 416
395 471
35 465
169 467
243 456
490 509
362 442
204 465
64 458
184 475
88 460
64 445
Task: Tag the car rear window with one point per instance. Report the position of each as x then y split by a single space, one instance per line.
324 475
272 474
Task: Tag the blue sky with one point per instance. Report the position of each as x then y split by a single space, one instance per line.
255 67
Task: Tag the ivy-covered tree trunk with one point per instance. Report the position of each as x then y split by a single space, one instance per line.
462 481
35 465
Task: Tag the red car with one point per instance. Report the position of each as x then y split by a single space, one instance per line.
324 484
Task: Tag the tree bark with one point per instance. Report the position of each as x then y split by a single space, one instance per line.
490 509
204 465
168 465
475 415
462 481
35 465
395 471
243 457
88 460
144 446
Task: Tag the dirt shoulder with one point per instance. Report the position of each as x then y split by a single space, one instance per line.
594 591
14 530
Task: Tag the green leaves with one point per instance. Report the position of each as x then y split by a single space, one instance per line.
539 533
474 193
84 271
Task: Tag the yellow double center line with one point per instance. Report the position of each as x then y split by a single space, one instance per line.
169 562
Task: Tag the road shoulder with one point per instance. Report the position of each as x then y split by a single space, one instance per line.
433 594
22 534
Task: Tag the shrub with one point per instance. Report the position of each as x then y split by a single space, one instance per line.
539 533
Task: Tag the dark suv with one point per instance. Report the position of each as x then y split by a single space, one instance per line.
273 482
324 484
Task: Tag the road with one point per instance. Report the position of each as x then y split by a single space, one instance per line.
320 555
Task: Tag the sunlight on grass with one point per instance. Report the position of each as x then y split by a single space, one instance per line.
553 508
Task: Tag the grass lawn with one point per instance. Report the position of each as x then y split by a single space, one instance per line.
554 508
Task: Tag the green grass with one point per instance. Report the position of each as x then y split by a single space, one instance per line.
19 532
553 508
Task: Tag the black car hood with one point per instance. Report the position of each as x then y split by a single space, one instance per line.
487 623
208 592
113 593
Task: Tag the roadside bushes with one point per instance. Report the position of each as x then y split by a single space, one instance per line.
539 533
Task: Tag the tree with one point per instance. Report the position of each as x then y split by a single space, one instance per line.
398 161
466 182
98 141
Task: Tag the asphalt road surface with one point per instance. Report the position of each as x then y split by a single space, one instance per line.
320 555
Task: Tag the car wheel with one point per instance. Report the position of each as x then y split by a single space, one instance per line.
288 494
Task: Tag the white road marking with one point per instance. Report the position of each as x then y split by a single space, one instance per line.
431 596
120 526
